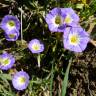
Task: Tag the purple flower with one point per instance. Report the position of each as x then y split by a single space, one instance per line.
6 61
20 80
9 23
35 46
59 18
12 35
75 39
55 20
71 18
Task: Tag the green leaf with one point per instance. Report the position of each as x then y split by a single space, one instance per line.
6 76
65 81
51 80
79 6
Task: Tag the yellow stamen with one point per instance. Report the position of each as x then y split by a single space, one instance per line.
11 35
22 79
4 61
74 39
11 23
68 19
36 47
58 20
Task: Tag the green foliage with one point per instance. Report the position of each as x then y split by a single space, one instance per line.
65 81
5 88
54 60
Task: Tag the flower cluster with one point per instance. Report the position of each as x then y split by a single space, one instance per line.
20 80
59 18
65 20
11 26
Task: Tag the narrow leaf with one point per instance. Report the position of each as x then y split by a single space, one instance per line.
51 80
65 81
